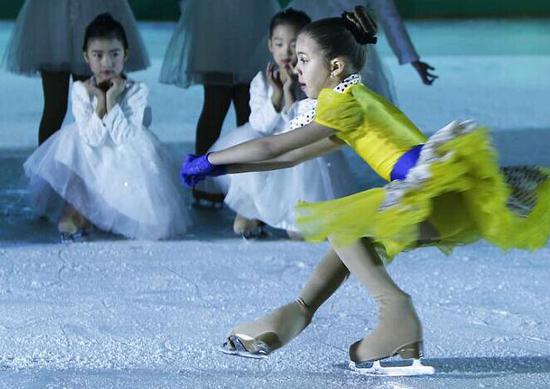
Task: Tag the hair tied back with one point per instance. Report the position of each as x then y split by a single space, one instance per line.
361 25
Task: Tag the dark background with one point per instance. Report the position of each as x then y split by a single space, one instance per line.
168 10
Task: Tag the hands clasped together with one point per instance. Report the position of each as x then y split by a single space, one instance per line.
106 92
283 81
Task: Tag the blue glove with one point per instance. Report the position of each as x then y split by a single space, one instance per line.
196 168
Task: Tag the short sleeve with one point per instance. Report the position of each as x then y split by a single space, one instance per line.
340 111
358 111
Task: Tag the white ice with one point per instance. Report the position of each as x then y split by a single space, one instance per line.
127 314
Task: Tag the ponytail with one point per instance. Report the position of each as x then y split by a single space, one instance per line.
361 25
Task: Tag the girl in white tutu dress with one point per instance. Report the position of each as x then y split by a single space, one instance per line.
374 75
107 169
270 197
47 41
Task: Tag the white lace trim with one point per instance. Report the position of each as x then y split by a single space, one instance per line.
308 116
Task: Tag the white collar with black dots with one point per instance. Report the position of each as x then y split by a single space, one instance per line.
349 80
307 117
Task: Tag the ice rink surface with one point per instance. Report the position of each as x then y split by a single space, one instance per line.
114 313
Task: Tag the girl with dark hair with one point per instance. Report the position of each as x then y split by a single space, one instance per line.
47 40
445 190
106 169
275 99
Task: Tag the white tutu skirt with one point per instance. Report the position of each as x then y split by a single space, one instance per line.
130 189
49 35
234 137
271 196
222 42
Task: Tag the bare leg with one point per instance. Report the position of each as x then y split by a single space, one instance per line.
71 220
241 102
217 99
246 227
276 329
66 223
399 329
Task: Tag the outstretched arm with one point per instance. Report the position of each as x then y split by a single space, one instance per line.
291 158
399 39
262 154
271 147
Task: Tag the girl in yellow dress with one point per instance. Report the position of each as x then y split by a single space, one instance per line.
444 190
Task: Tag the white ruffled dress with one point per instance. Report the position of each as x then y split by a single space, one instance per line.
113 170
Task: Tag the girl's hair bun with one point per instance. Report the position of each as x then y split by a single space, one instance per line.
104 26
361 25
104 17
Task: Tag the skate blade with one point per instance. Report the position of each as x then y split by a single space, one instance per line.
255 233
207 204
234 346
73 237
392 368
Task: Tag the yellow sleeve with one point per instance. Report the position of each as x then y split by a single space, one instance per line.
340 111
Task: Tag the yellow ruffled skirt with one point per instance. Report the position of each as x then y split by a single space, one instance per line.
456 188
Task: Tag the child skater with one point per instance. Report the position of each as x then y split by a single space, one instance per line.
444 190
107 168
257 197
46 40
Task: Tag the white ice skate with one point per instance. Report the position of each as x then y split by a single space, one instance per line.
207 200
235 345
392 368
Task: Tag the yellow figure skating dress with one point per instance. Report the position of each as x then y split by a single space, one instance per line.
454 183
